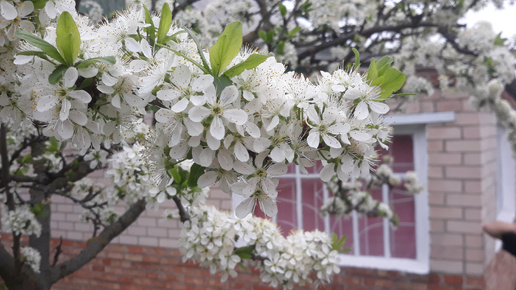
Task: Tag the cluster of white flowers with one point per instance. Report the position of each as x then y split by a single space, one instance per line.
21 220
220 241
32 258
353 196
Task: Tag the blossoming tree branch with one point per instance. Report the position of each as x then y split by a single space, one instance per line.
73 98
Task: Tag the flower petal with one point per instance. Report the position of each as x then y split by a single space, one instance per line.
180 106
225 159
245 207
236 116
207 179
268 206
132 45
241 152
197 114
70 77
81 96
65 129
229 95
361 111
78 117
65 109
46 103
380 108
8 10
313 139
217 129
331 141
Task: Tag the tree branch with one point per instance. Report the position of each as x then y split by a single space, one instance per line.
183 214
6 265
96 245
367 32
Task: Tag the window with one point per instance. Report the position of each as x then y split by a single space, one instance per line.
372 241
505 185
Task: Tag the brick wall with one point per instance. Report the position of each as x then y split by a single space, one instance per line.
138 267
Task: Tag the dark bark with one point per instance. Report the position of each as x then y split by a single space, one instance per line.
95 245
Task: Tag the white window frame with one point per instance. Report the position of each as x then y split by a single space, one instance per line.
505 182
409 124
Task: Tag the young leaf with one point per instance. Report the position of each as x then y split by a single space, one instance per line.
164 23
39 4
245 252
294 31
357 58
372 72
68 39
282 9
106 60
57 74
226 48
251 62
46 47
391 81
151 30
195 172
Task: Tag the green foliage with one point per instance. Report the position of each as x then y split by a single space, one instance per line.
386 77
337 243
68 39
245 252
39 4
39 209
195 172
46 47
164 23
499 40
226 48
282 9
57 74
88 62
151 29
251 62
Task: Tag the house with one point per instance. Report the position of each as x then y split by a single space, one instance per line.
462 159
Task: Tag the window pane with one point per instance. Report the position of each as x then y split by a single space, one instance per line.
287 218
313 198
401 242
370 231
403 238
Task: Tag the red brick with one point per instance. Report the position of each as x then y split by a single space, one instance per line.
378 282
474 281
453 279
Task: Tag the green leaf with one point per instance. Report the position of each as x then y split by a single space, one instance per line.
68 39
221 83
499 40
251 62
151 30
33 52
105 59
294 31
175 174
195 172
391 81
164 23
39 4
57 74
282 9
372 72
226 48
245 252
357 58
46 47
